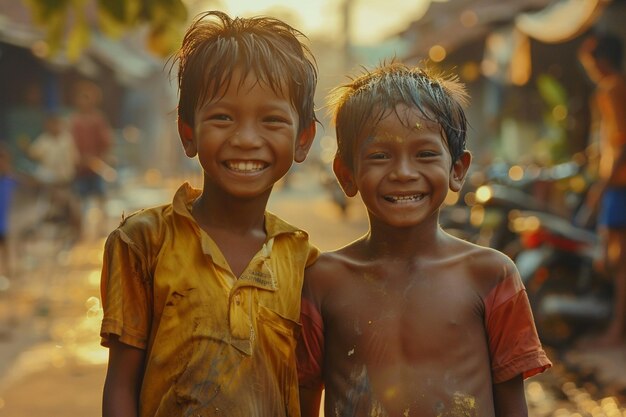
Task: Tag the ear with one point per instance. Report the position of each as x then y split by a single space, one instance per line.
304 142
186 137
459 171
345 177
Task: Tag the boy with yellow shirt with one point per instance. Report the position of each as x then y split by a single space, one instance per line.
202 296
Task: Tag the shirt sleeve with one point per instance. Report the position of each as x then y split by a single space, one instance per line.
125 292
513 341
313 254
310 348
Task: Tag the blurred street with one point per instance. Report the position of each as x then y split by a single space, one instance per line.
532 138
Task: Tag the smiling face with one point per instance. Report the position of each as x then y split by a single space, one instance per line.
246 138
403 169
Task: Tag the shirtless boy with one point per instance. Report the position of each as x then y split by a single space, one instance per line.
409 320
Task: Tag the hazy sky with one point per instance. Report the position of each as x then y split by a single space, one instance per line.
373 20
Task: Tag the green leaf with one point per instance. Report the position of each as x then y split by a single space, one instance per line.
47 9
116 9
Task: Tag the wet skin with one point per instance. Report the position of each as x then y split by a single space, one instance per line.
403 306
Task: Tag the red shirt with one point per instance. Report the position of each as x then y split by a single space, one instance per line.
92 135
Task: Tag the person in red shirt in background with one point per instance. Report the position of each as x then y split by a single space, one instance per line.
94 138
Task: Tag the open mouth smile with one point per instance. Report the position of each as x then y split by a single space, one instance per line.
246 166
404 199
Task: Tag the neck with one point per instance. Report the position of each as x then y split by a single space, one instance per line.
237 215
407 243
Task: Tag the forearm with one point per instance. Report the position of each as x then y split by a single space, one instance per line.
510 399
119 401
123 381
310 400
620 161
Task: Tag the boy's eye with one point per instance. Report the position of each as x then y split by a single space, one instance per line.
377 155
220 116
427 154
276 119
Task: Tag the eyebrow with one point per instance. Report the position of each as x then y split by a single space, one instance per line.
377 139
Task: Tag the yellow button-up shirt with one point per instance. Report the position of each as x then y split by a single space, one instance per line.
216 345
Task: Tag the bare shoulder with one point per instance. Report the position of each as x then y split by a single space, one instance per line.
481 261
330 264
330 269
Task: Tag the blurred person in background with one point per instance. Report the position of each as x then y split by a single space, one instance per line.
56 156
93 137
24 122
7 187
601 56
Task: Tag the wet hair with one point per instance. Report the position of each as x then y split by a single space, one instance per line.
609 48
216 45
358 106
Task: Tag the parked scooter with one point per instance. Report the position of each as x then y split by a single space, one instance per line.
569 298
528 214
492 197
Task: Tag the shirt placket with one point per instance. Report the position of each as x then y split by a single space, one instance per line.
242 308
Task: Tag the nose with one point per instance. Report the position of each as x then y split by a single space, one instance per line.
246 137
403 170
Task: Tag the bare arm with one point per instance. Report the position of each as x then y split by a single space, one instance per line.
617 99
310 400
123 380
510 399
310 348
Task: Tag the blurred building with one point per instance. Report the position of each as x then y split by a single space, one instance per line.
518 60
138 98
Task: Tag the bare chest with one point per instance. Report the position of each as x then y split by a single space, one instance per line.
411 321
407 348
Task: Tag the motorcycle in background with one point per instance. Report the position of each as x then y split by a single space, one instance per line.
568 297
493 196
528 213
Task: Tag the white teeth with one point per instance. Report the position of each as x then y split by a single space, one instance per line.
245 166
404 198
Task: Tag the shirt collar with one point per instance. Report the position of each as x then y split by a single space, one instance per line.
274 225
186 195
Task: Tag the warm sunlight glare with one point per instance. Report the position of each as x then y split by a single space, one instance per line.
372 21
314 17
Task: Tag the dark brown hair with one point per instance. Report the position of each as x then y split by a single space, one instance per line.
358 106
215 45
